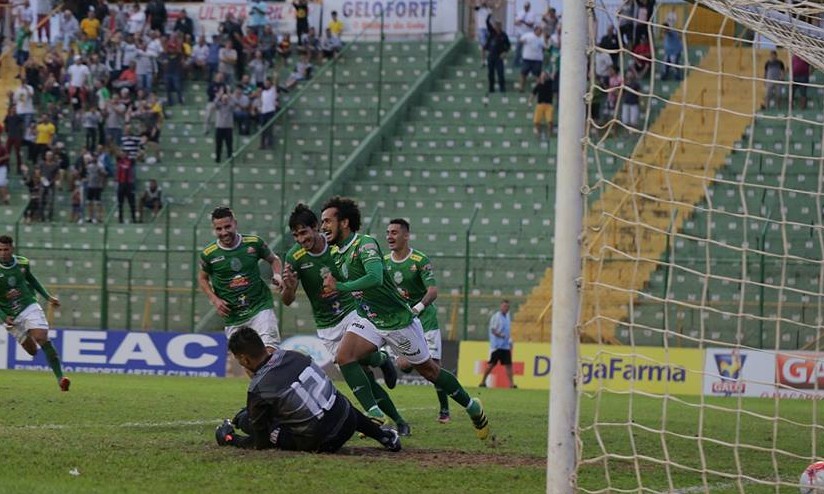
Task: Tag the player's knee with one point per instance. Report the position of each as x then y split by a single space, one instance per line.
429 370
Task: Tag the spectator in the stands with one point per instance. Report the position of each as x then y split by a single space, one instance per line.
525 22
224 125
91 120
331 44
15 127
258 10
673 47
156 15
34 184
90 26
336 25
50 174
267 43
258 68
173 77
115 118
4 174
228 61
45 135
301 17
497 45
215 89
241 107
642 57
184 24
284 48
94 174
151 140
774 72
303 72
543 114
630 101
609 42
21 47
69 27
151 199
801 78
125 184
533 46
23 99
198 63
268 108
131 144
137 21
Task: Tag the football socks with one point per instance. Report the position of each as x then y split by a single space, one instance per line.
52 359
449 383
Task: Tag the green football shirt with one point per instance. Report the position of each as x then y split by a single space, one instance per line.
235 277
382 304
413 276
328 307
17 287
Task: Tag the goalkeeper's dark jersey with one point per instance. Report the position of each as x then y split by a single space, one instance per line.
293 405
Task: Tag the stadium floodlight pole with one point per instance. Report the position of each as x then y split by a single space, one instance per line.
569 215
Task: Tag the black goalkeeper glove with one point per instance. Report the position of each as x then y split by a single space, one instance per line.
225 434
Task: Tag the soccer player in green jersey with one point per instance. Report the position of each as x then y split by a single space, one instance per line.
230 277
386 318
307 262
412 272
22 315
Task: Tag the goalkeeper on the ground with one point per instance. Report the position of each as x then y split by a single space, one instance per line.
292 404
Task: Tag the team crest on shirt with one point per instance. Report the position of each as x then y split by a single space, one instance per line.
398 277
250 250
12 281
344 270
235 264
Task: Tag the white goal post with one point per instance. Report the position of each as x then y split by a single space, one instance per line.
687 352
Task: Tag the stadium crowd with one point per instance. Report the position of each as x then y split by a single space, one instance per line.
102 73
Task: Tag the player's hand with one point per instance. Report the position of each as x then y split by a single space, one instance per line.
289 278
277 282
54 301
329 282
225 433
9 321
221 306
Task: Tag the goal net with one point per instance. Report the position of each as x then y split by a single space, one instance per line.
701 367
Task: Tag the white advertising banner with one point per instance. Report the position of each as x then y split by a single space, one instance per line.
401 17
208 16
730 372
764 374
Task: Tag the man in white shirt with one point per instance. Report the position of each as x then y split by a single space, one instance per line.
268 108
24 103
525 22
533 54
79 77
69 28
200 56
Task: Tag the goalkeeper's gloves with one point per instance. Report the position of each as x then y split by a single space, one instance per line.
418 308
225 434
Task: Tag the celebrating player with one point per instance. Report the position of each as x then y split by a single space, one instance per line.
230 277
412 272
292 404
23 316
308 261
386 318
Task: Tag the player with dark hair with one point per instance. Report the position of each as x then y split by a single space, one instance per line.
230 277
291 404
307 262
412 272
22 315
386 318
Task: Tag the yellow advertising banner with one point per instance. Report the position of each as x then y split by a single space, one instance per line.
677 371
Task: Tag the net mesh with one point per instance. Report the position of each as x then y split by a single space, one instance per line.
703 275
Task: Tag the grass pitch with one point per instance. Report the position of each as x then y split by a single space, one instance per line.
139 434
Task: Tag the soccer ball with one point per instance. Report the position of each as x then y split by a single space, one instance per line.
812 480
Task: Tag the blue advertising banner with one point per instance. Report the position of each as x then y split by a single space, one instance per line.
124 352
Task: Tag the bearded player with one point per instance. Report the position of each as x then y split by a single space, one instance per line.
230 278
22 315
386 317
412 272
307 262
